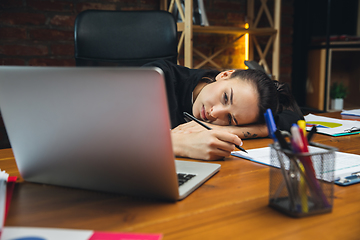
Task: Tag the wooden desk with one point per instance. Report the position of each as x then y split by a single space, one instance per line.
231 205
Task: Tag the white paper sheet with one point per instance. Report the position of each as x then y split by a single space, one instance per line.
330 126
345 163
354 112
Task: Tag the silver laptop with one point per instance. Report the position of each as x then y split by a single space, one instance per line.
103 129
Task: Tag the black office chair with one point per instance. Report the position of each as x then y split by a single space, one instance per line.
124 38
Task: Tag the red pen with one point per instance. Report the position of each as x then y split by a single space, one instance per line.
300 145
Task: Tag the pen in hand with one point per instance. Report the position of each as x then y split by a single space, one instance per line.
190 117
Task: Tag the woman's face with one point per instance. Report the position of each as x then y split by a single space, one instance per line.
228 101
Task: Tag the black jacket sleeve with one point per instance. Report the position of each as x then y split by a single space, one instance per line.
285 119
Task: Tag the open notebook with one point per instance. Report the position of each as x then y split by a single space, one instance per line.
104 129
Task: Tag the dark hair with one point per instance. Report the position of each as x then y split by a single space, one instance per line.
272 94
209 76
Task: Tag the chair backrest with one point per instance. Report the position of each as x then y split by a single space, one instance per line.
124 38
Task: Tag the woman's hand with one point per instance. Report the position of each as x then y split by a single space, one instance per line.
188 127
190 141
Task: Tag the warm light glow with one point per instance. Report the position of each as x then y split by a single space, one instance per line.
246 44
246 47
240 52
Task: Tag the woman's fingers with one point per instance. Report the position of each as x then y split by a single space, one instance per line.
191 127
206 145
227 141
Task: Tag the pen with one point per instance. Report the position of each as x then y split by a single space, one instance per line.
311 133
299 143
303 196
282 141
270 123
302 125
190 117
289 181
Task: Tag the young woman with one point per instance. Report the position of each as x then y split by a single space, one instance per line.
232 103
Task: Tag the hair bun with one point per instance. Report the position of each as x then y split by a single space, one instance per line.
284 93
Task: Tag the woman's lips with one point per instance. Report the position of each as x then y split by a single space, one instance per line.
203 114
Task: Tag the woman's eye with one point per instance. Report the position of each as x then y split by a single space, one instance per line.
226 99
230 118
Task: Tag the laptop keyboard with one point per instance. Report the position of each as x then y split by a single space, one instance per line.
183 178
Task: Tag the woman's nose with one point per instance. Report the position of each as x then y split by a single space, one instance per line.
217 111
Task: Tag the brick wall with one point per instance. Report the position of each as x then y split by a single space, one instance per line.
40 32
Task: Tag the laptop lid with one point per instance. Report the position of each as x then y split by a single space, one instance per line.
105 129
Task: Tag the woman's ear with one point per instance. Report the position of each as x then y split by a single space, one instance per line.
224 75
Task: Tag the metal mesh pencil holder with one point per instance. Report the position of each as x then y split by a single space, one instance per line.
295 188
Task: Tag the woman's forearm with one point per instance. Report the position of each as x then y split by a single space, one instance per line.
245 131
